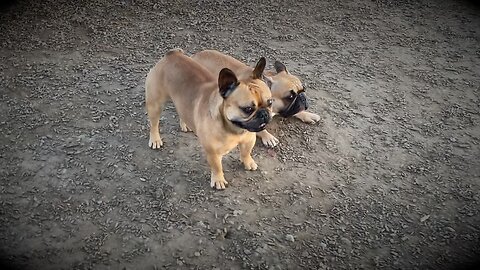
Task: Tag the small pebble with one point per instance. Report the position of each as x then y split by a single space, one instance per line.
290 238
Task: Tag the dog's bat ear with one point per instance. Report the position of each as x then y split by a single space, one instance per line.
279 67
258 71
227 82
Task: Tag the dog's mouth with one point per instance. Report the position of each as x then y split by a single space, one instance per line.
257 123
298 104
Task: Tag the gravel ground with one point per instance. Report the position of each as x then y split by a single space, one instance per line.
389 178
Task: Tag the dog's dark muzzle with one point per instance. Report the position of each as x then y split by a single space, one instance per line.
297 105
257 123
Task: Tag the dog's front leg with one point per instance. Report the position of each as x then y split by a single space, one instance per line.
308 117
246 151
267 139
217 179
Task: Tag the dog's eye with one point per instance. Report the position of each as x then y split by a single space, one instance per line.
270 102
292 95
248 110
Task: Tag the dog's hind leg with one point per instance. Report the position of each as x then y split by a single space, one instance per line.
183 126
155 98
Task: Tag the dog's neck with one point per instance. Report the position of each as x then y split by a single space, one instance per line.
270 73
216 112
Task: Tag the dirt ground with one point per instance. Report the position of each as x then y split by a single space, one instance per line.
388 179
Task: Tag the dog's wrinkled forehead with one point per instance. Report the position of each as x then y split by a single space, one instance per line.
288 81
260 90
246 92
297 84
259 86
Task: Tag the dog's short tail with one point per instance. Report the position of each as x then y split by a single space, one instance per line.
176 50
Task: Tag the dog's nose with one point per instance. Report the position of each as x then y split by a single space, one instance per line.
303 100
263 114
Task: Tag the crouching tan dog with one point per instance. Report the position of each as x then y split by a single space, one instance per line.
287 90
222 111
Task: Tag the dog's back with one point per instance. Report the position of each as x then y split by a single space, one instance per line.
181 69
214 61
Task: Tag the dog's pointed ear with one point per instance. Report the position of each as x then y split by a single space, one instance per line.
227 82
258 71
279 67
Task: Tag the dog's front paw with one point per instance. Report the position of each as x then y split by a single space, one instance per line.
250 164
218 182
308 117
269 140
155 142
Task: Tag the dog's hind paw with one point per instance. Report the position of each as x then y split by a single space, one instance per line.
184 127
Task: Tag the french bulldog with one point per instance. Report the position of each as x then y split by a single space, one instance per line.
222 110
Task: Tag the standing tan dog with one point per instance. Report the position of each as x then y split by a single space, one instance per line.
223 112
287 90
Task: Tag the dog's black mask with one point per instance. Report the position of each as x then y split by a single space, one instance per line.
256 123
298 104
